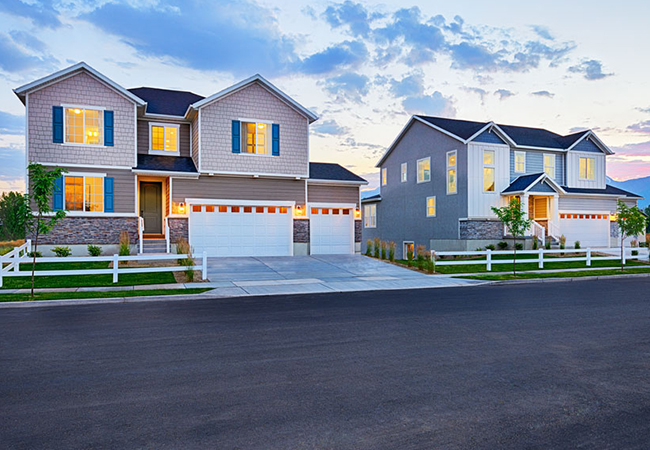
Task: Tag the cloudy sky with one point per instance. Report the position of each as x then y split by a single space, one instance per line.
363 67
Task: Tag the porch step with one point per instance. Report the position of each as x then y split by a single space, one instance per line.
154 246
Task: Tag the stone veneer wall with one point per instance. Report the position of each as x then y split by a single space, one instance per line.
614 230
481 229
90 230
357 231
178 228
300 231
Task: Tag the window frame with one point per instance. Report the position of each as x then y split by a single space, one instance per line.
405 250
84 175
435 206
370 220
384 176
586 158
101 110
269 136
422 160
554 156
494 171
404 172
518 153
450 168
165 152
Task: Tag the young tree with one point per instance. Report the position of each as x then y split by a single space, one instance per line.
631 222
514 219
42 183
13 209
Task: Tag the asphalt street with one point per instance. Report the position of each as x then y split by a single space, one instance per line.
549 365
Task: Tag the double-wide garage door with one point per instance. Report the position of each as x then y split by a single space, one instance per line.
241 230
592 230
331 231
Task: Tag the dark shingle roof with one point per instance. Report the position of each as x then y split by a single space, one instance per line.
166 163
522 182
609 190
329 171
461 128
165 101
371 199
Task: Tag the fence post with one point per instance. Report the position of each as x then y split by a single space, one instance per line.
540 260
204 266
623 255
588 257
488 253
116 265
29 245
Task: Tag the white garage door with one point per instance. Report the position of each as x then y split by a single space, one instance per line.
241 230
592 230
331 231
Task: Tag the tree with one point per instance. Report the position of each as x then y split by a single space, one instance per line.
13 209
41 188
514 218
631 222
647 213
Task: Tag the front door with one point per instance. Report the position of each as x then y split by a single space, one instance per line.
151 206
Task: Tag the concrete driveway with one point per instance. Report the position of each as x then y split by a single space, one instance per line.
315 274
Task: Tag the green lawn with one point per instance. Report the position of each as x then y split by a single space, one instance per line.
110 294
128 279
528 275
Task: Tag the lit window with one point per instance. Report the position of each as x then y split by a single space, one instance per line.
84 193
424 170
488 170
164 138
431 206
255 138
587 169
370 216
452 187
549 165
383 177
520 162
84 126
404 174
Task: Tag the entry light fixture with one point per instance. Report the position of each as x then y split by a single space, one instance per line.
357 212
181 207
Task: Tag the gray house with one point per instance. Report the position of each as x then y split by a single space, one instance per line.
441 177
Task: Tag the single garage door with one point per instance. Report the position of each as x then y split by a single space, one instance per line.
592 230
241 230
331 231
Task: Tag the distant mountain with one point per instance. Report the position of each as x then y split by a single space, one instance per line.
640 186
369 193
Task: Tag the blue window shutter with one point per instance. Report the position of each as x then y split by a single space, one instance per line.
57 124
275 135
236 136
109 195
108 128
57 195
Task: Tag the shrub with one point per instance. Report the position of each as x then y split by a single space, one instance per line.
125 244
383 249
62 252
94 250
35 254
183 248
391 250
535 243
503 245
431 266
409 255
577 244
377 247
548 245
421 258
634 243
368 247
490 247
635 253
562 241
562 246
519 246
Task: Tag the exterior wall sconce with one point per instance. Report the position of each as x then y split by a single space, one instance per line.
299 211
181 207
357 213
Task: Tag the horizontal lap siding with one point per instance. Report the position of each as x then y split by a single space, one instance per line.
235 188
333 194
124 183
587 204
183 133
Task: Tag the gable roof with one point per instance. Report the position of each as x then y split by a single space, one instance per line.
70 71
332 172
524 183
257 78
166 101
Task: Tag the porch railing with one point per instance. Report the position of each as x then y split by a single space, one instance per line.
140 233
554 229
539 232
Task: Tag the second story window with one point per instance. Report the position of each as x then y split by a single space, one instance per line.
424 170
452 187
255 138
84 126
587 168
163 138
520 162
404 173
383 177
549 165
370 216
488 170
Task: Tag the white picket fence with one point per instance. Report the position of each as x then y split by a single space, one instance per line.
10 264
489 261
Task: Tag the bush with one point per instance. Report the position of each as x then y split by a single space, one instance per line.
421 251
634 243
368 247
35 254
635 253
62 252
503 245
377 247
183 248
562 246
548 245
383 249
519 246
562 241
535 243
577 244
391 250
490 247
409 255
94 250
431 266
125 244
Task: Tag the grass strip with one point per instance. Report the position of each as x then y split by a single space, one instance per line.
91 294
576 274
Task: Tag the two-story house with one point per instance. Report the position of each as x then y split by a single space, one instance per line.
441 177
229 172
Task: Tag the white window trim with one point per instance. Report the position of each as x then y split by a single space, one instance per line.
165 152
520 154
418 170
580 174
435 206
552 155
384 176
367 223
84 175
492 166
404 172
65 126
454 167
269 142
